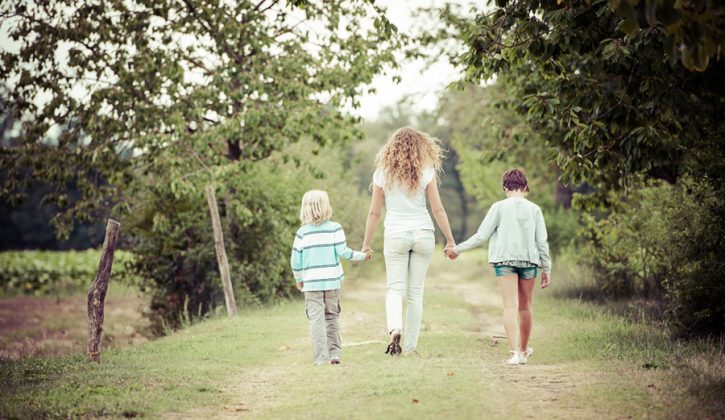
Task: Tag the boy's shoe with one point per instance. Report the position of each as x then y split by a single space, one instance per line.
515 358
394 346
335 360
319 363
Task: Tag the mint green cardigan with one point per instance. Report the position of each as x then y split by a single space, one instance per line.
516 230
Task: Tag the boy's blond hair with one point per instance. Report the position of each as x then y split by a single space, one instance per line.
315 207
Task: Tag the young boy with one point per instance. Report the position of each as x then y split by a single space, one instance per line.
318 246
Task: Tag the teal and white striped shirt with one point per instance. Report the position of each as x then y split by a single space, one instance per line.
316 254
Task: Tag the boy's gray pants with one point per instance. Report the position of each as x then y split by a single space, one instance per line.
322 309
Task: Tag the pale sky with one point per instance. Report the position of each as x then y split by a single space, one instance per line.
420 81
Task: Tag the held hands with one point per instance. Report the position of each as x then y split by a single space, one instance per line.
368 252
450 250
545 280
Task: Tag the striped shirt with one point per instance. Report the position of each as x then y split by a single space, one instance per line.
316 254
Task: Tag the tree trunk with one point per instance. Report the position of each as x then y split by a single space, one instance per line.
234 150
97 292
221 253
563 195
464 204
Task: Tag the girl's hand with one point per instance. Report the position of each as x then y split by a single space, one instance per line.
450 250
545 280
300 285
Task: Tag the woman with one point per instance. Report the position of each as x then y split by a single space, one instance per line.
406 173
518 247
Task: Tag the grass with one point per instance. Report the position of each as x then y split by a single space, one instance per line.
588 363
57 326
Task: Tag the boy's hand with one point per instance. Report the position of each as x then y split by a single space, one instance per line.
367 251
545 280
300 285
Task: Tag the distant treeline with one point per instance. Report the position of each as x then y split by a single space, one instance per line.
27 224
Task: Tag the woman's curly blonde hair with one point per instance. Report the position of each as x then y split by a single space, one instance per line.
404 156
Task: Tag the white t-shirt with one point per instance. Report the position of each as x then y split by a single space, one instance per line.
405 210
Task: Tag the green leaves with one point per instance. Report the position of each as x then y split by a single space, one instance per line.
171 72
155 100
693 31
609 104
625 9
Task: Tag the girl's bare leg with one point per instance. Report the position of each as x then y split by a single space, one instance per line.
526 319
509 287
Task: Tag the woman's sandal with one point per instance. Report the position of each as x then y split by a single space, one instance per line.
394 346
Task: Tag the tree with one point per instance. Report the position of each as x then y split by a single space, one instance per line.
622 113
158 99
693 29
232 81
611 103
489 138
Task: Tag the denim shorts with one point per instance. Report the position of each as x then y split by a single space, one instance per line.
523 273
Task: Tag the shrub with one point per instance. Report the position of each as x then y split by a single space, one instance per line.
665 241
43 273
171 234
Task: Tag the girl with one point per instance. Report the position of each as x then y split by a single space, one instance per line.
406 169
517 249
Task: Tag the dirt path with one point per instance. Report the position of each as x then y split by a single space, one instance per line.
462 305
550 384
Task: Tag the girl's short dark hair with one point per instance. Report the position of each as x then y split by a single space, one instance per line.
515 179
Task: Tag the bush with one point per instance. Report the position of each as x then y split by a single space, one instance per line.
42 273
171 234
665 241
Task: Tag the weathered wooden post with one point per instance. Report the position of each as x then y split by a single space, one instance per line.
97 292
221 253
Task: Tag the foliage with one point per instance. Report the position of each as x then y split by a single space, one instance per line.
665 240
693 29
173 241
489 138
148 102
618 113
26 225
609 103
51 273
232 80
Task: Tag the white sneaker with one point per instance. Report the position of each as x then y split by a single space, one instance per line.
524 355
515 358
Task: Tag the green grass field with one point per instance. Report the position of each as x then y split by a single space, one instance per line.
587 364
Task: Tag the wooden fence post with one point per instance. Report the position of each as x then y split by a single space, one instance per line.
97 292
221 253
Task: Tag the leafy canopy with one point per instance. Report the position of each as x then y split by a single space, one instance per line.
612 104
97 90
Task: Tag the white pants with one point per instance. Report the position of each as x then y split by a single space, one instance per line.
407 256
